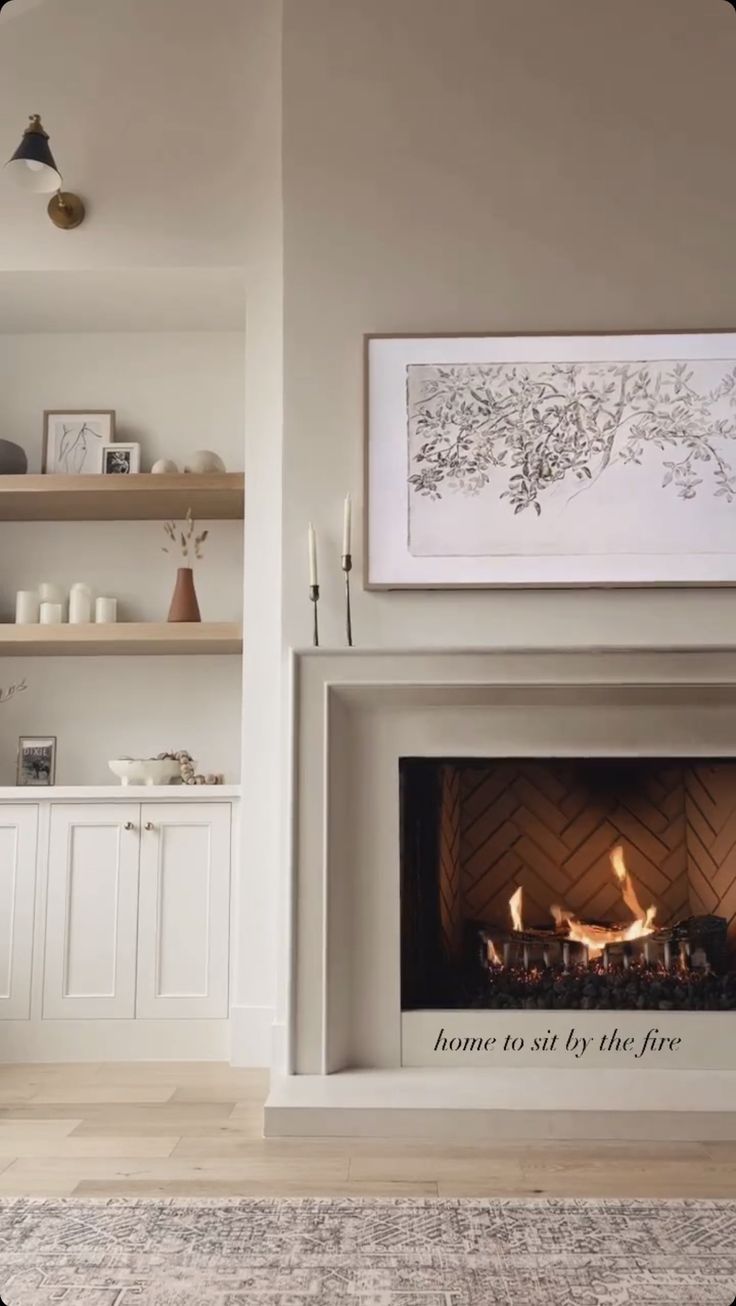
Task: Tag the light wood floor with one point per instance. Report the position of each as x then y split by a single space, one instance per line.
194 1129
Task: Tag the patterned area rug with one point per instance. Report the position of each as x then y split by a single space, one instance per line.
367 1253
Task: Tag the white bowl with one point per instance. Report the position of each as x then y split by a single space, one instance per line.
145 770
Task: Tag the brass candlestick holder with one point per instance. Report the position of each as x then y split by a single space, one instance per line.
314 598
347 566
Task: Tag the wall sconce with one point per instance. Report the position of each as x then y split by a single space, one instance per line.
32 167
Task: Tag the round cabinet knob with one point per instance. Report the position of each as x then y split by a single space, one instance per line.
150 825
129 826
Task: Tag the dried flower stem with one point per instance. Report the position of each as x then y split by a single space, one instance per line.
185 540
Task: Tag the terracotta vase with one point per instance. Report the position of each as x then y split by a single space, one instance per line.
184 605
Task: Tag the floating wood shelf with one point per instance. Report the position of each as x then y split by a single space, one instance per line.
121 639
141 497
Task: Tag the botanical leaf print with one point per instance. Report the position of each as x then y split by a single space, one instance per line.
525 428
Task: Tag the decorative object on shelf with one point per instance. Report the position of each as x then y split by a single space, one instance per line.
205 462
80 604
313 582
145 770
33 168
73 441
165 769
12 690
13 459
188 768
27 608
164 467
557 460
121 459
184 605
347 564
106 611
36 760
51 614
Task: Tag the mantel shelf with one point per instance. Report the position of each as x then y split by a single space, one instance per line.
141 497
121 639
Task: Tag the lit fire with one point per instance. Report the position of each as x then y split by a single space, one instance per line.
597 937
515 909
492 954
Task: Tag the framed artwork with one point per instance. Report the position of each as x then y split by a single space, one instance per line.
36 760
121 459
73 441
551 460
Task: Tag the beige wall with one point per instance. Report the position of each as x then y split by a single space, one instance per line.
493 165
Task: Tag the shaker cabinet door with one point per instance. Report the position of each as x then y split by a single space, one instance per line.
184 922
92 911
18 845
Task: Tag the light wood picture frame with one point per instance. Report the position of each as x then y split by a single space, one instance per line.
566 460
73 440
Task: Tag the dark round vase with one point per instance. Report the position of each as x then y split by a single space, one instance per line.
13 461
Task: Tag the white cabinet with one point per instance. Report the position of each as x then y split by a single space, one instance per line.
184 917
18 843
92 911
137 918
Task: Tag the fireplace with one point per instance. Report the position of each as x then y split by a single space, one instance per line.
568 884
384 746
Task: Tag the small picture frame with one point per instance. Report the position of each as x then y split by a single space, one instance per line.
121 459
73 441
36 765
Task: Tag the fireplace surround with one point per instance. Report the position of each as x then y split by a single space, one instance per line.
350 1056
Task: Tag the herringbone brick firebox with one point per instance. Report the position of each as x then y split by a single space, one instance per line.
550 826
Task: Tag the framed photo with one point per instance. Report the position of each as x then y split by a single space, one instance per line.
36 760
73 441
121 459
551 460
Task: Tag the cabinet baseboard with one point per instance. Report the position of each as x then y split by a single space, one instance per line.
114 1040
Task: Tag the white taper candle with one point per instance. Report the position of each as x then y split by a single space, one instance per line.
347 526
313 575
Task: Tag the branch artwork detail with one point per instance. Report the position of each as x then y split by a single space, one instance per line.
11 691
529 434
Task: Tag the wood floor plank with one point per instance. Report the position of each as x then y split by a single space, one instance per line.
162 1115
234 1170
251 1188
58 1094
39 1129
111 1148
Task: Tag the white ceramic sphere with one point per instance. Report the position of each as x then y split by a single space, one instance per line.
164 466
205 461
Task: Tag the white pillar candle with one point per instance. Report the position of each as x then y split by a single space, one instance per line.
312 538
347 526
106 610
27 607
52 614
80 604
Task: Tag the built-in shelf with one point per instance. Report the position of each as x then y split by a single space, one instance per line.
142 497
122 638
103 793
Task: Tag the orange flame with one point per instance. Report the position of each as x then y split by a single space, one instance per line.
492 954
597 937
515 909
